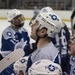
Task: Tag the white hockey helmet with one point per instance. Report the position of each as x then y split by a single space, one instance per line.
51 21
20 65
46 9
12 14
45 67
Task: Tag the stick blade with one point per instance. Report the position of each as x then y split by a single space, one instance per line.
11 58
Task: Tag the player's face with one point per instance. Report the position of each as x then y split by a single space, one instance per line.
33 30
18 20
72 48
21 72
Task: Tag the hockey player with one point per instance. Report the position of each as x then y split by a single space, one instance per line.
71 58
60 40
14 33
10 59
45 26
20 66
45 67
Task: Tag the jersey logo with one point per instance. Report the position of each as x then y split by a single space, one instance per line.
51 67
22 60
54 17
9 34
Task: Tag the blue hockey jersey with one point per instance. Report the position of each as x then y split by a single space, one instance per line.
65 36
62 45
10 37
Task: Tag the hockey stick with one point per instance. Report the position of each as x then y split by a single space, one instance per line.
72 17
11 58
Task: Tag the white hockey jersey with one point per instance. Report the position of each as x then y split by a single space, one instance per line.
48 51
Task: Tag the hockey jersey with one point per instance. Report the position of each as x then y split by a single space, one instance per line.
48 51
65 36
62 45
71 68
10 37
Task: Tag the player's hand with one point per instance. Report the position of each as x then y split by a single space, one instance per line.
20 44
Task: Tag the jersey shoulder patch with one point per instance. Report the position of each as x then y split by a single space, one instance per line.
8 33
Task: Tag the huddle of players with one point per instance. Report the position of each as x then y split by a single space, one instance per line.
52 43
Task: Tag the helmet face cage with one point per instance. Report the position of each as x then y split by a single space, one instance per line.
42 68
51 21
21 18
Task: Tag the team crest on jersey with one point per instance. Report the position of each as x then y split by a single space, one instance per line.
9 34
54 17
22 60
51 67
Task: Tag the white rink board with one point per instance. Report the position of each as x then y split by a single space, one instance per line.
5 23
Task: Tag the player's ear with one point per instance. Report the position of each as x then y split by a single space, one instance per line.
42 32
